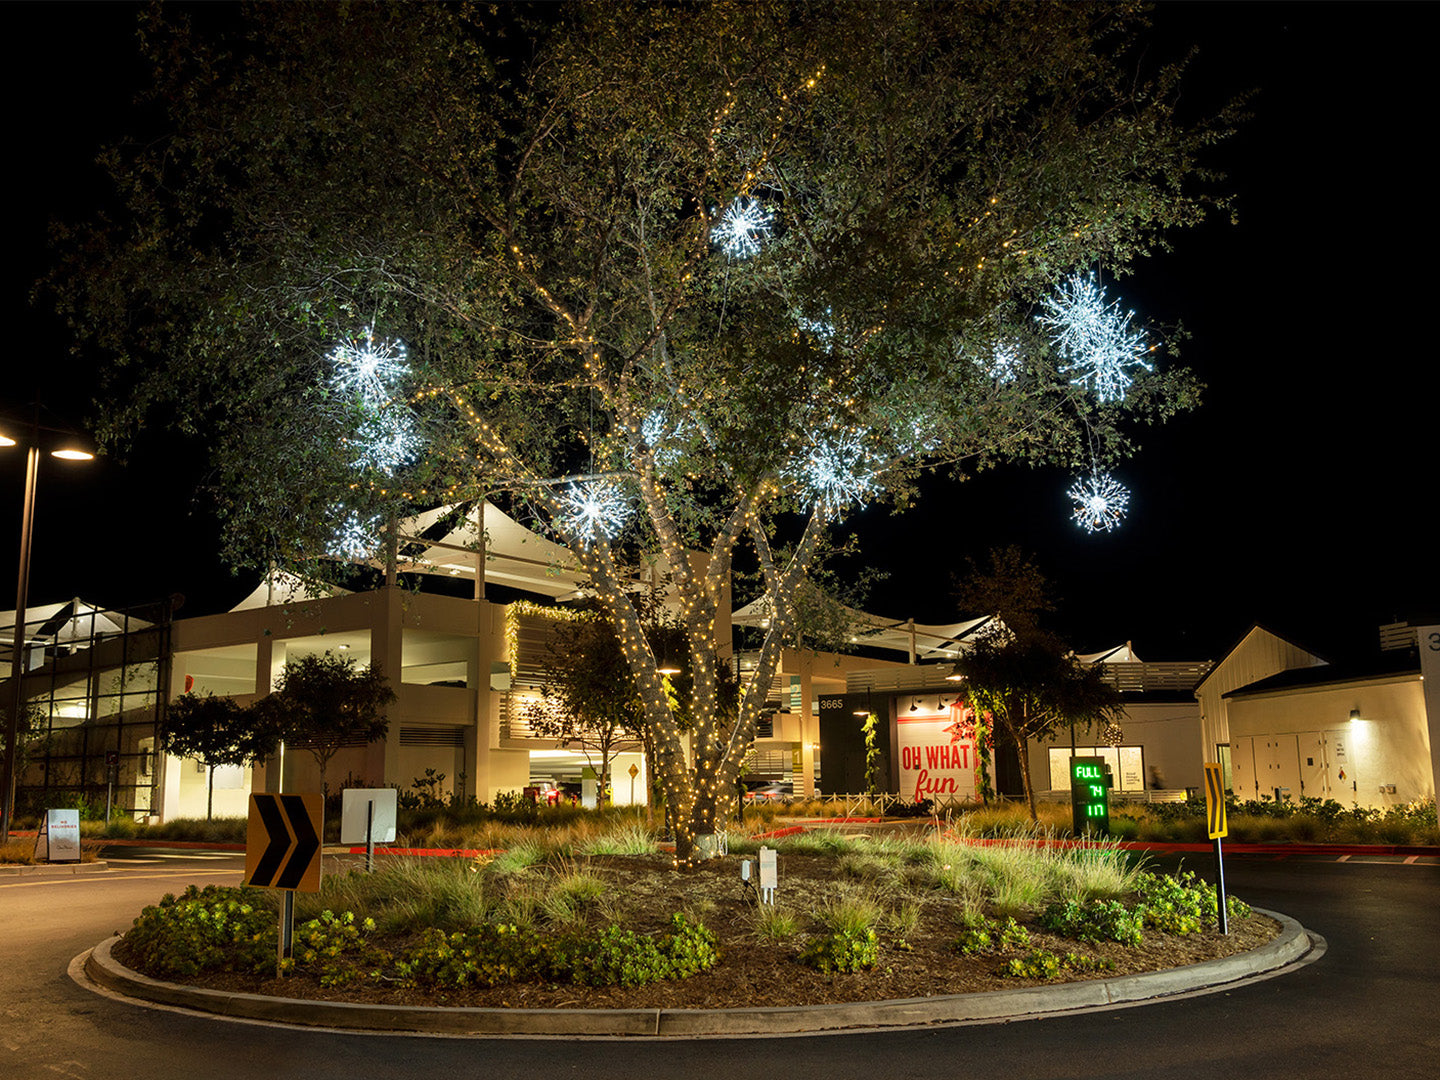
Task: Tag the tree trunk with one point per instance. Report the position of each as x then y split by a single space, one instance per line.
210 793
1022 751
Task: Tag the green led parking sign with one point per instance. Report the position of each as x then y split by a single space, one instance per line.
1089 795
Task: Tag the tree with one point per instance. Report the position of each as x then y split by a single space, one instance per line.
1030 687
214 731
687 278
323 703
589 701
1019 677
1009 586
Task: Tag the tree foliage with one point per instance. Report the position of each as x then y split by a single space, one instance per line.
323 703
1031 688
527 197
1020 675
214 731
589 701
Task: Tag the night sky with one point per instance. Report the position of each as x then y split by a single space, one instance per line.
1294 496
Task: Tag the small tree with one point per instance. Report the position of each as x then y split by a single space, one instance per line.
323 703
214 731
1020 674
590 703
1030 687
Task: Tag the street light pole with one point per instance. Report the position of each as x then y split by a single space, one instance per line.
17 656
70 451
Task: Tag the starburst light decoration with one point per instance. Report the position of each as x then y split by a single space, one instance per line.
356 538
836 473
1094 337
388 441
369 368
594 508
662 434
372 372
1005 362
741 227
822 330
1100 502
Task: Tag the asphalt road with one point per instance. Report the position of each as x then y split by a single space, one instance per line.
1368 1008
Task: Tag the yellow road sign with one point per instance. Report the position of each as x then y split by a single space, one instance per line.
1215 821
282 842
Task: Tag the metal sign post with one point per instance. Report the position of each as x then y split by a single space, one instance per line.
1217 826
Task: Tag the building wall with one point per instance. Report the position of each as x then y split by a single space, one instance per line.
1301 740
1259 655
1166 732
437 653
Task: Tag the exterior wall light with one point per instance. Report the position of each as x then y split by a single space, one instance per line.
1354 715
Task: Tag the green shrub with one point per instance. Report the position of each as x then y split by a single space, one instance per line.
990 935
1183 904
618 957
1044 964
212 929
336 948
497 954
851 949
488 955
1094 921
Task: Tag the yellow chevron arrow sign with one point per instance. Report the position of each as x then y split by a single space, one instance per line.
1215 801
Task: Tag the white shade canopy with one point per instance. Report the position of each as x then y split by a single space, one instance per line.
931 641
514 555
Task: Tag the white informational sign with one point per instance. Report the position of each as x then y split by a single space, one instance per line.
1132 769
769 874
937 752
59 836
375 805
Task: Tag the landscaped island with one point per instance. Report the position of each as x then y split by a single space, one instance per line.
561 920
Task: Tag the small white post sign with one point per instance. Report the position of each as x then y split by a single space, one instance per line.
59 836
367 816
769 874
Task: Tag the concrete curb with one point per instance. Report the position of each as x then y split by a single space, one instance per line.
52 870
1292 943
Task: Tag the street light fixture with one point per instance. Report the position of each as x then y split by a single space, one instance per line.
68 448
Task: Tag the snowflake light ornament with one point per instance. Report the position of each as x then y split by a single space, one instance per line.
1094 337
661 434
1005 362
741 227
387 441
1100 501
594 508
356 539
836 474
368 368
